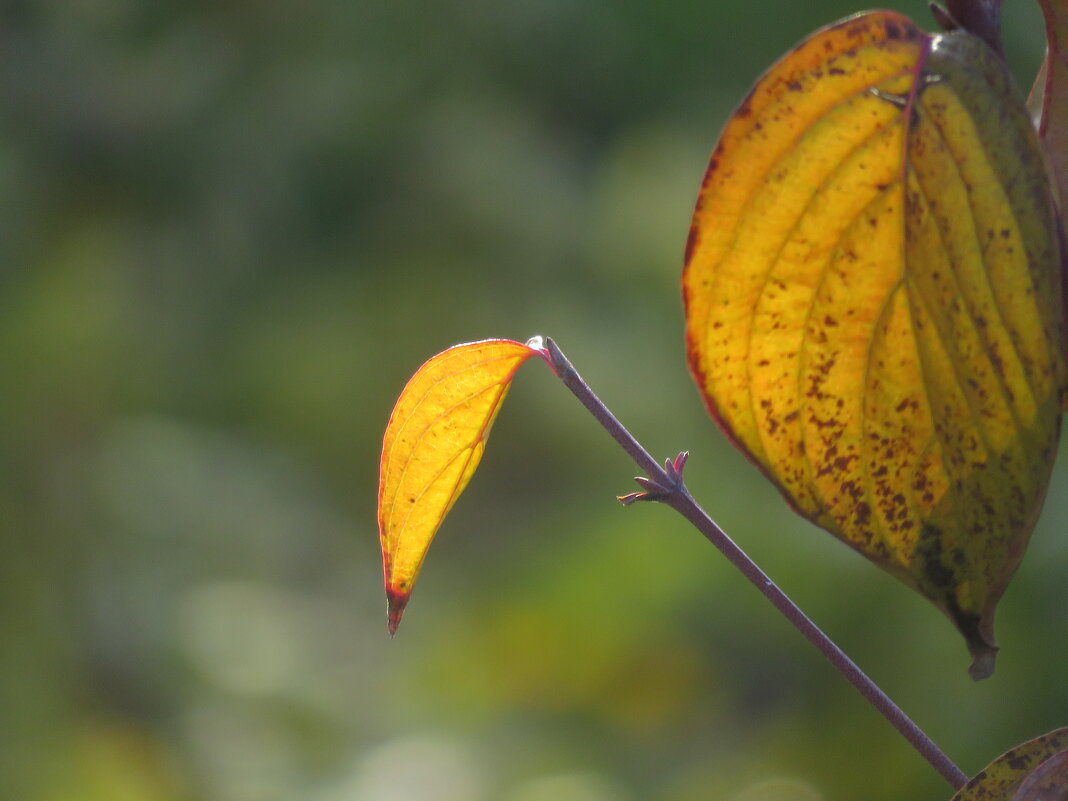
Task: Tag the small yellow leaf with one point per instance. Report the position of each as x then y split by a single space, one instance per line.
1032 771
873 304
433 443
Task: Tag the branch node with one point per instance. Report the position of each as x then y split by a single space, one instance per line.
654 490
651 491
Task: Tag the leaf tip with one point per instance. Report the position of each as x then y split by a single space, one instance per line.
983 658
982 646
978 631
396 601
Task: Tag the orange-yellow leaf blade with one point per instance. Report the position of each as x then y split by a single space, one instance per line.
433 443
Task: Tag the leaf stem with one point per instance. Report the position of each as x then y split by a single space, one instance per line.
677 496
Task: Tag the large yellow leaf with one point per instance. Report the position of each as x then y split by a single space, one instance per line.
433 443
873 305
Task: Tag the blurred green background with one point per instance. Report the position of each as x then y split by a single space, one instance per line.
229 232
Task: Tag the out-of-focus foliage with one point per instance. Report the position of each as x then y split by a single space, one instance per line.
228 232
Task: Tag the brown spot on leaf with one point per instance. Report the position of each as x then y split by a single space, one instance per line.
863 514
1019 762
929 552
691 242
